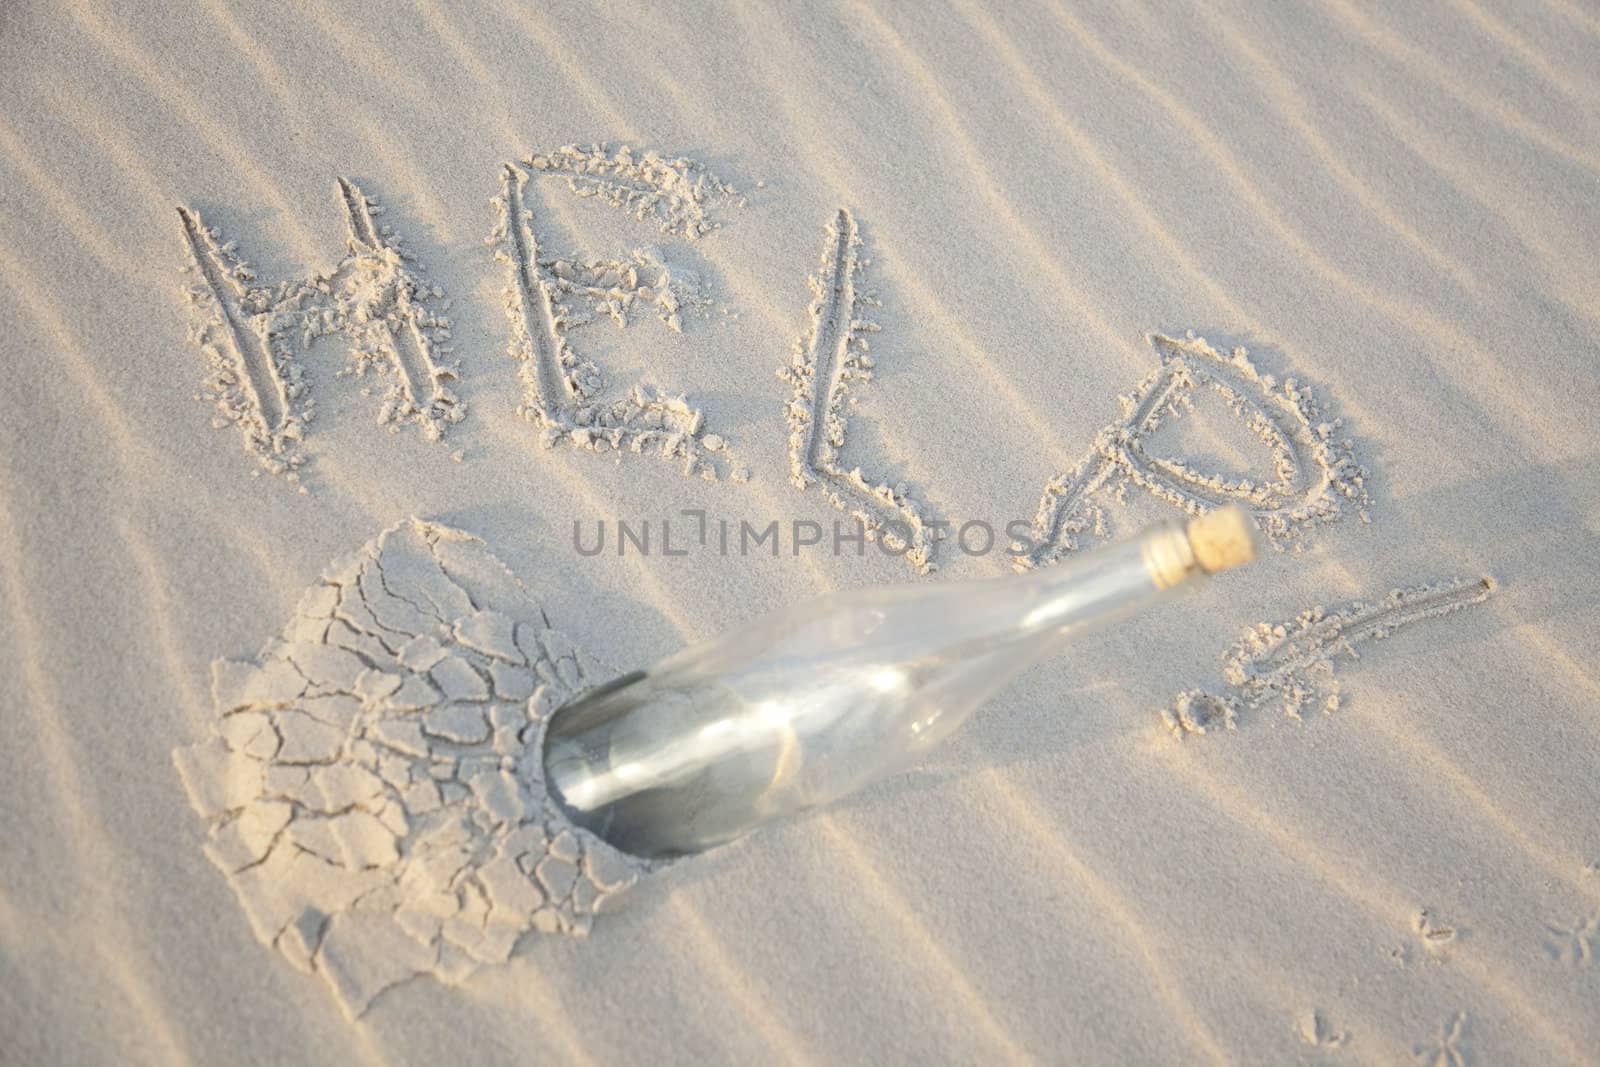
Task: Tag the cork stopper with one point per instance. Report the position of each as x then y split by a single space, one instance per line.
1222 539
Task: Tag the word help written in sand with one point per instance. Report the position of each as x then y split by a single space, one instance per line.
1293 663
374 790
374 297
1313 473
832 354
561 391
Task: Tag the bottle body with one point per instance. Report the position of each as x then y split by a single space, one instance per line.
805 705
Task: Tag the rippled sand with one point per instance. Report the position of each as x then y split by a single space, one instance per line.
1391 210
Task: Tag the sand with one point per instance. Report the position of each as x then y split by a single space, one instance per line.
1341 260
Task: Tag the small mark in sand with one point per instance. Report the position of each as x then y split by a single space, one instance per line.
374 789
1574 944
1314 470
1433 933
1294 662
831 355
673 192
1314 1029
561 392
1445 1049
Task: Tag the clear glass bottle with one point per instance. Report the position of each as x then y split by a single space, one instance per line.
794 710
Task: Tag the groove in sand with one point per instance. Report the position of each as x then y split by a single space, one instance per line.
251 353
422 395
831 355
1294 662
1314 472
561 390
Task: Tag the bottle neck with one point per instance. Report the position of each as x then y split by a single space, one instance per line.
1109 582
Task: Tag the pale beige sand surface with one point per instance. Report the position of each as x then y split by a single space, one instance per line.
1394 206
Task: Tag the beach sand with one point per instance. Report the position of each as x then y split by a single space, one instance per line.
1369 836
